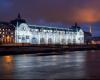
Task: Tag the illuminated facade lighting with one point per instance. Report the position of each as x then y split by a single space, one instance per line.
6 33
37 34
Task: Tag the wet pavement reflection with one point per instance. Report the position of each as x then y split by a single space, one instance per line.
72 65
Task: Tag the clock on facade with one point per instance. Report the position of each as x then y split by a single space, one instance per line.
23 27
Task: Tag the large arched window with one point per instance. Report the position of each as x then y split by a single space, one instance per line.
34 41
74 41
63 41
42 41
50 41
69 41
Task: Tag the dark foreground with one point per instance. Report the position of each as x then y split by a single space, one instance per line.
45 49
72 65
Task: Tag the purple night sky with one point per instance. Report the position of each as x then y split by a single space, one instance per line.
85 12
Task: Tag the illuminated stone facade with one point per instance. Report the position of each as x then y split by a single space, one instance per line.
23 34
38 34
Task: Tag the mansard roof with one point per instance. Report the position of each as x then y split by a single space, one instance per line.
87 33
60 27
7 25
53 28
75 27
2 22
18 19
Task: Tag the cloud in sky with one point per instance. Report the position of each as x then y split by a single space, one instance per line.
54 10
65 11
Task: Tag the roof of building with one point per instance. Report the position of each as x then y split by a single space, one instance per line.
18 19
6 24
55 27
2 22
87 33
96 38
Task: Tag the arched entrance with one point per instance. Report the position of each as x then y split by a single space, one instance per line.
42 41
34 41
63 41
50 41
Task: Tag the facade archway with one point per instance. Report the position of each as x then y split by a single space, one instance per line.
34 41
63 41
42 41
50 41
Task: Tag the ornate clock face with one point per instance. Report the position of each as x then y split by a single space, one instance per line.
23 27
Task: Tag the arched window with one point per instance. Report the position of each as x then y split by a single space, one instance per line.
34 41
69 41
63 41
74 41
49 41
42 41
